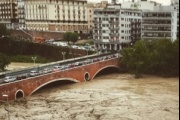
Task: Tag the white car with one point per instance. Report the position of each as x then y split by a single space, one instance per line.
47 70
9 79
34 73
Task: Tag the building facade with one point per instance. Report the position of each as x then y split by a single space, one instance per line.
162 22
56 15
21 14
8 13
113 27
90 13
140 4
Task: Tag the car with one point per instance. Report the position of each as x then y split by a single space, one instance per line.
34 73
46 70
78 64
56 68
24 76
9 79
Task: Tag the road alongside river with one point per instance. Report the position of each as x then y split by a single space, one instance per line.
110 97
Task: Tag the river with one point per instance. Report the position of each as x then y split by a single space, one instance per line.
109 97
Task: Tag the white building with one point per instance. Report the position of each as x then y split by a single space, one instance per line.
140 4
56 15
162 22
174 2
113 26
21 14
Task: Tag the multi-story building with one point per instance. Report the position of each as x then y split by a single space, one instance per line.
162 22
174 2
21 14
8 13
56 15
140 4
113 27
90 13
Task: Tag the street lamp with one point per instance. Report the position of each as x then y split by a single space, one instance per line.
87 50
63 53
4 95
34 59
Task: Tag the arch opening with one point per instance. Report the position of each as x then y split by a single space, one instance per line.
53 85
106 71
87 77
19 94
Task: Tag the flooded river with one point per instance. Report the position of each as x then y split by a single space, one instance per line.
109 97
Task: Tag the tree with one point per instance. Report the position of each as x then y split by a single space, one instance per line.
67 37
3 30
159 57
4 61
74 37
136 58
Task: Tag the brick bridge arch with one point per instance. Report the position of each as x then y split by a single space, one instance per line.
78 74
55 80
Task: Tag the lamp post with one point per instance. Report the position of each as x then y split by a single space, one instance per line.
87 50
34 60
5 95
63 53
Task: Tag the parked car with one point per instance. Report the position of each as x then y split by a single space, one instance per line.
9 79
19 77
46 70
34 73
57 68
78 63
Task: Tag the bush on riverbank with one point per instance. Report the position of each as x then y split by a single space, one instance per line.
28 59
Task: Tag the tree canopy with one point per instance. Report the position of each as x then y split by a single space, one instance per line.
159 57
4 61
70 37
3 30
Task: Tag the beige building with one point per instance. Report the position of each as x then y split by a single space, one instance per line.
56 15
90 13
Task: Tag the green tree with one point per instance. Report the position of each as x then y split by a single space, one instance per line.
67 37
3 30
160 57
74 37
4 61
136 58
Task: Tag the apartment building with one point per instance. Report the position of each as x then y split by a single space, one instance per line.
8 13
174 2
90 13
56 15
140 4
162 22
113 27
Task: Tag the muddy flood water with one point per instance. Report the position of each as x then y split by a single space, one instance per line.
109 97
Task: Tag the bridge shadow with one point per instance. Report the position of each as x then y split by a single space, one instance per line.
107 71
62 84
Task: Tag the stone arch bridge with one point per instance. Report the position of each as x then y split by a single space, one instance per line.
26 87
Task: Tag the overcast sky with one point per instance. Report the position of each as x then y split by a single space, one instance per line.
164 2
